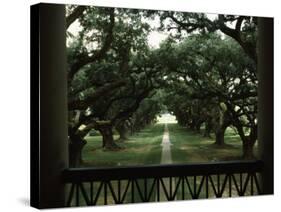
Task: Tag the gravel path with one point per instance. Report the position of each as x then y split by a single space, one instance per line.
166 158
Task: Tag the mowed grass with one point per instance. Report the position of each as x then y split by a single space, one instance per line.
191 147
140 149
145 148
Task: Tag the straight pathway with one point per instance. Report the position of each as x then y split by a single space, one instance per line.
166 158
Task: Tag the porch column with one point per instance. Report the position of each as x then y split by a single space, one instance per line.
265 101
52 147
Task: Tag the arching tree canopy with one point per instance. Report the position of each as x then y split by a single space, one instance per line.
204 73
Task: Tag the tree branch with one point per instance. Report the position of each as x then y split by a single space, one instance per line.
236 35
85 59
128 111
100 92
77 12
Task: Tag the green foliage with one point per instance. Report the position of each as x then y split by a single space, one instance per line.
203 72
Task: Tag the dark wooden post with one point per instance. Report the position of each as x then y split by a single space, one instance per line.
49 148
265 101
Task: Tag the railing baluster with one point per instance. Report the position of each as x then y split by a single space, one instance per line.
84 193
245 184
252 184
105 193
176 189
139 191
158 190
145 190
171 188
151 189
92 192
126 190
242 174
218 179
189 187
207 186
77 195
113 193
164 189
194 187
70 195
182 187
257 184
213 186
223 186
236 185
230 186
119 191
98 193
241 182
133 191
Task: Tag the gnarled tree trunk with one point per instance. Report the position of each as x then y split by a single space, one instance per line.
105 128
198 126
220 135
220 125
76 144
192 124
249 142
122 130
248 149
208 128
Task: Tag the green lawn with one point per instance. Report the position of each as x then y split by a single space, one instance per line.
140 149
145 148
190 147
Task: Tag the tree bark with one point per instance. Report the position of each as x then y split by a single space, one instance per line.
207 131
99 93
220 135
107 136
198 126
76 145
248 149
192 125
122 130
248 141
78 11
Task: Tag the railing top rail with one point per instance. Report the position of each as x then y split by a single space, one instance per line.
154 171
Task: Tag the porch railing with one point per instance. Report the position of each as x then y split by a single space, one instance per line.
118 185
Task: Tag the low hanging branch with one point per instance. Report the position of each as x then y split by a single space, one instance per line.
100 92
130 110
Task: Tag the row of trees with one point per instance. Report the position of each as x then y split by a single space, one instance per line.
112 77
214 80
116 81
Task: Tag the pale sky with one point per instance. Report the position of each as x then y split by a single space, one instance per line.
154 38
166 118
